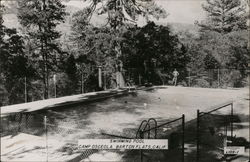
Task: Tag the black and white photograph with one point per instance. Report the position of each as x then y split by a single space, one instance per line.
125 80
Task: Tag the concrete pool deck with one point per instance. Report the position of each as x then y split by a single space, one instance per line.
59 102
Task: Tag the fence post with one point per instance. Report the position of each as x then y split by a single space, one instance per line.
20 121
225 140
183 137
218 77
197 136
46 135
141 153
25 89
8 123
54 80
232 109
82 83
26 119
139 79
104 81
189 79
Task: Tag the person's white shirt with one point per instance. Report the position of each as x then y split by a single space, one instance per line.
175 73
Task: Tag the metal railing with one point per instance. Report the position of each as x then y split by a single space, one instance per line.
212 130
174 134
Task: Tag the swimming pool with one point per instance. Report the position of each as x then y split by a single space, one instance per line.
120 114
123 115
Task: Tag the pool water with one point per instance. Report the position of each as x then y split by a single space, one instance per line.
123 115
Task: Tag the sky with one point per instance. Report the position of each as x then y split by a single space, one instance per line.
180 11
183 11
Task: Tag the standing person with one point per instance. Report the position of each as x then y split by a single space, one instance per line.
175 73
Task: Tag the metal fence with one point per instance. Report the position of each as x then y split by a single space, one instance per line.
214 132
173 130
28 90
24 122
217 78
205 78
47 131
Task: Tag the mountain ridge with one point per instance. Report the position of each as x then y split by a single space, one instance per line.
11 20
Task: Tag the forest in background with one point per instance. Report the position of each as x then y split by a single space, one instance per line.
38 53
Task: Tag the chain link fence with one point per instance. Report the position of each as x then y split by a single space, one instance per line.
30 123
217 78
209 133
205 78
214 132
28 90
53 137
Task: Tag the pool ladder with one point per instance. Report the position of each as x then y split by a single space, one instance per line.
145 128
130 87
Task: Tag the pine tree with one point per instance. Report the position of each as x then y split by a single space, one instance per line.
120 15
14 64
153 47
2 88
1 24
121 11
224 16
41 17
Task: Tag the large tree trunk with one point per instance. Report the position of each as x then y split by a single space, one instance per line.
248 45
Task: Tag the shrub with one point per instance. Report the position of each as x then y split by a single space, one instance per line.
230 78
201 83
183 83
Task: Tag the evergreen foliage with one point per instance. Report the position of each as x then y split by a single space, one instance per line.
152 47
224 16
41 17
